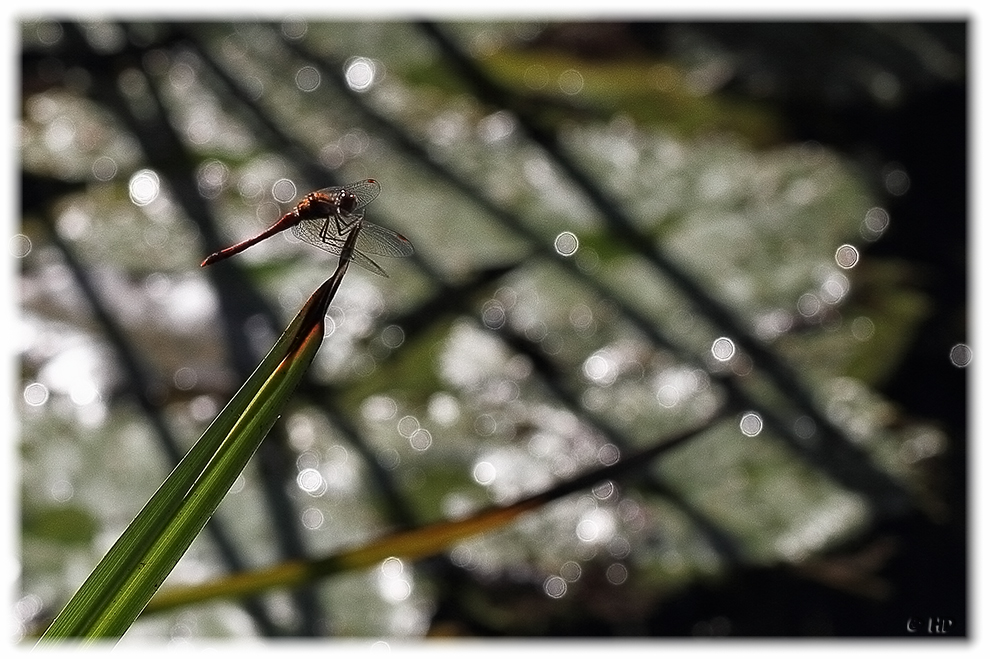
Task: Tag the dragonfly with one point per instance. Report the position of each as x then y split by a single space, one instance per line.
325 218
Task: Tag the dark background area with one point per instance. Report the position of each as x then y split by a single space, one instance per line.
928 133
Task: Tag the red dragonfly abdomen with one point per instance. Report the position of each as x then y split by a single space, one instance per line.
289 219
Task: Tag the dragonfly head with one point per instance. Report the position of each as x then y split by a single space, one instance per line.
348 202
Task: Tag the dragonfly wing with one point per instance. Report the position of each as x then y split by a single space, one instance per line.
312 232
325 232
367 264
380 241
364 191
329 233
319 232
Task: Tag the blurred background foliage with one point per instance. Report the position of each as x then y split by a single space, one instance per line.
623 230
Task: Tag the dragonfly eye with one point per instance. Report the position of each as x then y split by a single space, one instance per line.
348 202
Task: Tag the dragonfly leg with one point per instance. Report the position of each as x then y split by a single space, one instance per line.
342 227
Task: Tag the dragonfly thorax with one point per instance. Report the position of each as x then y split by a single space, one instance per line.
319 205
